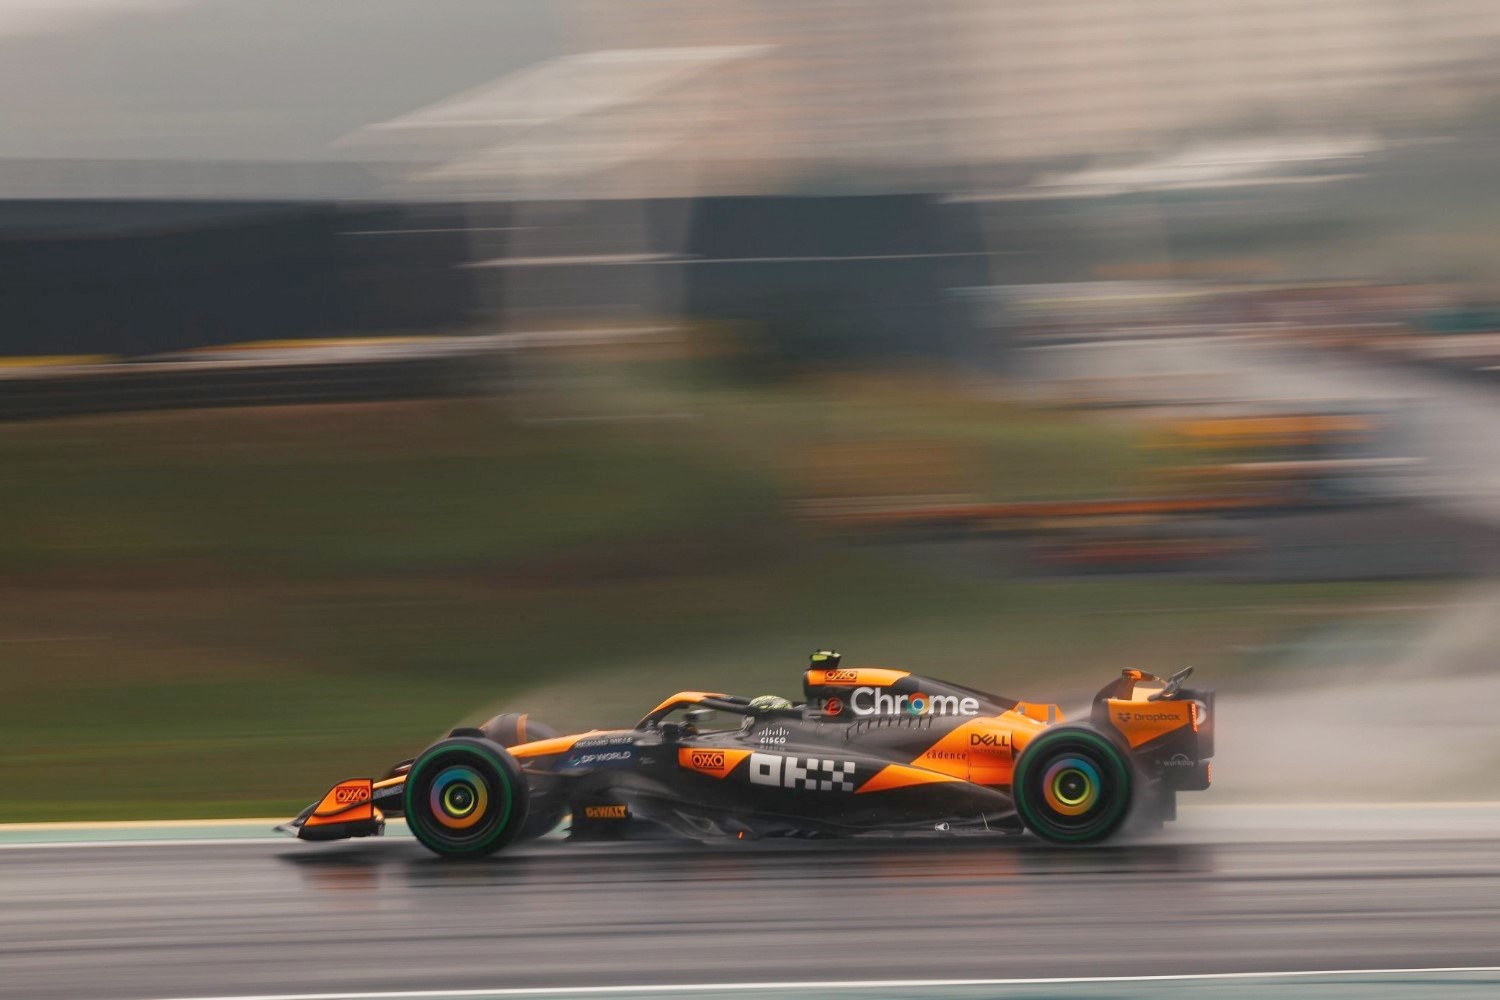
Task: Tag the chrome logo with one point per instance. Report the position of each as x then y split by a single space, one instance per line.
866 701
1071 786
458 798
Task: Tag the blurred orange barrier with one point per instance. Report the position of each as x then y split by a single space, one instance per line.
1038 509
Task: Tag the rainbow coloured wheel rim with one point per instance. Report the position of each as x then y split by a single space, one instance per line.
459 798
1071 786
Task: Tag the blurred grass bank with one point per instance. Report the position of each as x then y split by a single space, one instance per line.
220 612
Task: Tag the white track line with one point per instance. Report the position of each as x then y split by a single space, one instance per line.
841 985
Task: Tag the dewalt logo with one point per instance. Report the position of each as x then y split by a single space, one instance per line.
604 812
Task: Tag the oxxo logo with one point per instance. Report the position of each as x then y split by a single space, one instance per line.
866 701
840 676
351 794
714 763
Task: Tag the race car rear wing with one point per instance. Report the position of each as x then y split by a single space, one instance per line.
1168 728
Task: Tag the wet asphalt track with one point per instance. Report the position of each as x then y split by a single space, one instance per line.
1336 890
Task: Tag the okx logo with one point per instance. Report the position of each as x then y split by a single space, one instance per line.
813 774
866 701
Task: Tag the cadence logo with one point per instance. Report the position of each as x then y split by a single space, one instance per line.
866 701
353 793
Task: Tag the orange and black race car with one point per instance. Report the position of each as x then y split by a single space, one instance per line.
871 750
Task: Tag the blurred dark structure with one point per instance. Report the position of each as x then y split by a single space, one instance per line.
136 278
827 279
823 278
111 388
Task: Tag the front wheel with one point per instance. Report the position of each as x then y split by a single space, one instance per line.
465 797
1072 786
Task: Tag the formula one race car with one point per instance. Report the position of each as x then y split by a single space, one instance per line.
871 750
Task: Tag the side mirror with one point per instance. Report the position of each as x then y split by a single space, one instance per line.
697 716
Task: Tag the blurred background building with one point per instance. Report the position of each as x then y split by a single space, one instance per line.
552 148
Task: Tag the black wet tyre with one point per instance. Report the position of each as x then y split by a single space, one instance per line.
465 797
1073 786
512 729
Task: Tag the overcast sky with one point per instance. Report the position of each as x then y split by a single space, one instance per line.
242 79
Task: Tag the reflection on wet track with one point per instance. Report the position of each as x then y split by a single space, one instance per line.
217 919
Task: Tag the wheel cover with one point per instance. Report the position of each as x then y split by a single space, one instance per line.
459 798
1071 786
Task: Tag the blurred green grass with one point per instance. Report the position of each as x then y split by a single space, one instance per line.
219 613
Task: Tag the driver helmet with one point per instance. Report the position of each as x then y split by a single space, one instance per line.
767 702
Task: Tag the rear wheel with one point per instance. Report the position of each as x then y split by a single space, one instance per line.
1072 786
465 797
